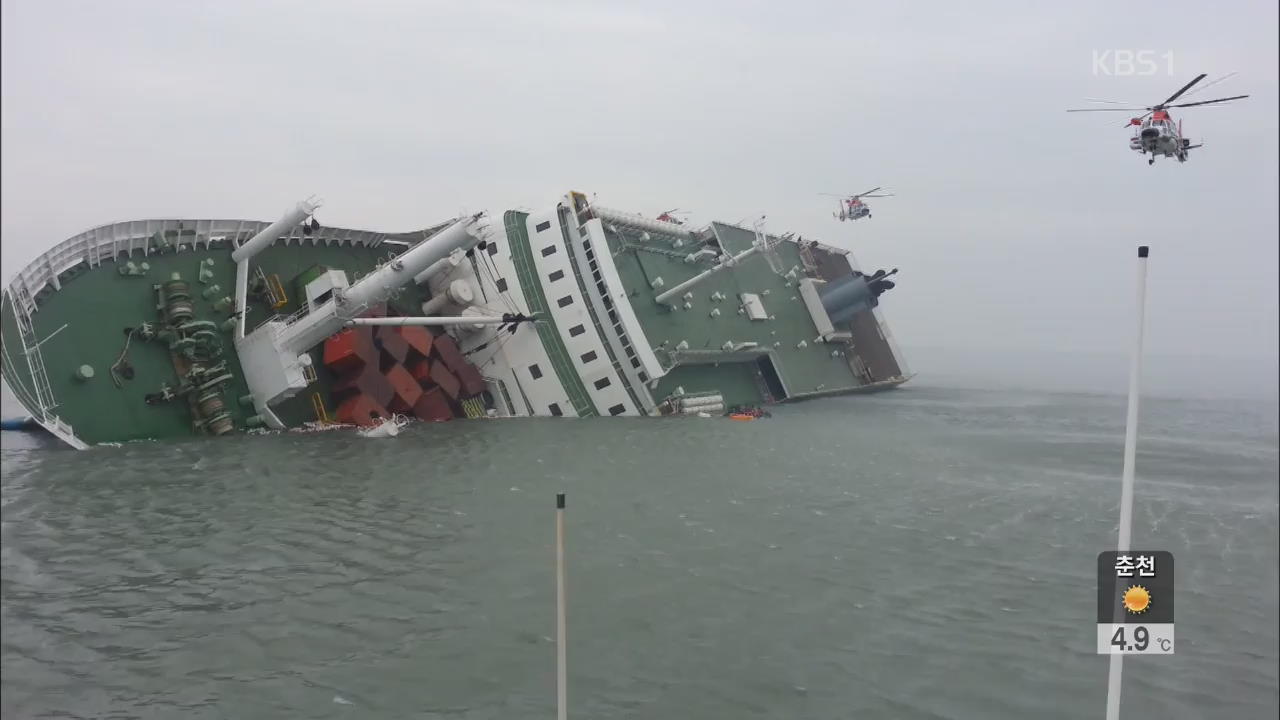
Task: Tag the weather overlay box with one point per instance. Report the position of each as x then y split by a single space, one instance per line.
1135 602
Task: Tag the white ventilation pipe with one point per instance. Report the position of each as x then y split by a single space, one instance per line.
444 264
458 292
274 231
378 286
257 244
438 321
678 289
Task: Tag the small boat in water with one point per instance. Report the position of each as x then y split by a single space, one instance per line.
746 413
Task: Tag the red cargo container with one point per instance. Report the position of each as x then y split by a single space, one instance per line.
406 389
420 370
418 339
394 348
446 349
433 406
348 351
360 410
377 387
472 381
446 380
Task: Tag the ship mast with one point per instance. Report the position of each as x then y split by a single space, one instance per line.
256 244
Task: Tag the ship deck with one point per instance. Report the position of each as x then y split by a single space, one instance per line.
81 321
803 371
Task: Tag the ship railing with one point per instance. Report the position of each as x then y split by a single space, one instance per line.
31 349
297 315
675 254
17 384
109 242
272 318
505 394
39 398
63 431
285 321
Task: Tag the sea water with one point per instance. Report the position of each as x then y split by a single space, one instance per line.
923 553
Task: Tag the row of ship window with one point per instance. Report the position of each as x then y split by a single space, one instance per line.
536 372
557 412
608 303
567 300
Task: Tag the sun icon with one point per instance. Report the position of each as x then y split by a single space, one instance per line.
1137 599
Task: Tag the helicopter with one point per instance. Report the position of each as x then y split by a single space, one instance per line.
670 216
1157 133
852 207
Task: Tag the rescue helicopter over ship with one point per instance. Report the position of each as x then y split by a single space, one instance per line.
672 216
851 207
1157 134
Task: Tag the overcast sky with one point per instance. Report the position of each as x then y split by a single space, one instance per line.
1015 224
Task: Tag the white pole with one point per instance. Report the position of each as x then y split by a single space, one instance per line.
561 664
437 320
682 287
1130 452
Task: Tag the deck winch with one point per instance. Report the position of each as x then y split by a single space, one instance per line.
205 385
175 299
196 347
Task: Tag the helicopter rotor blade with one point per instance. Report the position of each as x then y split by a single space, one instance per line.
1185 88
1110 102
1210 102
1211 83
1137 109
861 194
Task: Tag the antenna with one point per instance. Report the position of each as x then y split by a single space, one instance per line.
1130 452
561 662
768 247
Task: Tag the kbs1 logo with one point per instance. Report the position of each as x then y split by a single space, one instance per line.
1127 63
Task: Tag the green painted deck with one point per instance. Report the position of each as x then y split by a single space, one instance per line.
736 382
97 304
803 370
